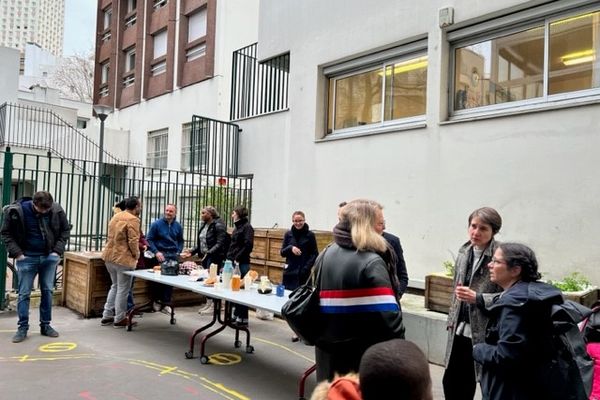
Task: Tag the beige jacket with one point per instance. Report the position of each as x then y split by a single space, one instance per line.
122 244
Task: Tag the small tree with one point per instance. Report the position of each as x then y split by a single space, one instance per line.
74 77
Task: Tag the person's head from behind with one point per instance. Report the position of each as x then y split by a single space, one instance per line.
362 217
396 366
133 205
484 223
513 262
42 201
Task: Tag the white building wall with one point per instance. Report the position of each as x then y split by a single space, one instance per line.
9 74
539 170
236 27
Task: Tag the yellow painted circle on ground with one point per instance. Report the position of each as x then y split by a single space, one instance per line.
57 347
224 359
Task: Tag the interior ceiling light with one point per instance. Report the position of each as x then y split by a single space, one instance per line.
578 57
406 66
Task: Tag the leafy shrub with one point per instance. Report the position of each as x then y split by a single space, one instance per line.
575 282
448 267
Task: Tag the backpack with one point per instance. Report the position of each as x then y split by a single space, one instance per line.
572 369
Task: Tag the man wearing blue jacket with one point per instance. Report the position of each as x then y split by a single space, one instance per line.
165 240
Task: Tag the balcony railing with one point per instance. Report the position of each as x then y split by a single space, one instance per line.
258 88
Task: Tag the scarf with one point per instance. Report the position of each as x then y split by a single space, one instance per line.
298 233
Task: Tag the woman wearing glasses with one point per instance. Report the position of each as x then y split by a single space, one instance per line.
466 323
299 248
516 359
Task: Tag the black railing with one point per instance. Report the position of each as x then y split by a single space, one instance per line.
213 147
40 128
258 88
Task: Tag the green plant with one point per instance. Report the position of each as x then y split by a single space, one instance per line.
574 282
448 267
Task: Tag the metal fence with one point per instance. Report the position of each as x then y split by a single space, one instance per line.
258 88
214 146
87 190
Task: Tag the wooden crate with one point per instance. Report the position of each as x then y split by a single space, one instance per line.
438 292
275 240
323 239
260 249
275 271
86 283
259 266
587 297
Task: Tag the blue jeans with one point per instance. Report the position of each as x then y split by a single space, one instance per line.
242 311
27 269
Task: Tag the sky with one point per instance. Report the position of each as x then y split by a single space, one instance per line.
80 26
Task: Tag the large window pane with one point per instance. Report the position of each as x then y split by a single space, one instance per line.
197 25
500 70
405 89
358 99
574 48
194 148
158 149
160 44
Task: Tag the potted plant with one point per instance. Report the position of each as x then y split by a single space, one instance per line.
578 288
439 288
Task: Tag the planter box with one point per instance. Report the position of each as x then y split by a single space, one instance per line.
586 297
438 292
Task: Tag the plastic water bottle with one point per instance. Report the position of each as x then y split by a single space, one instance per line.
227 274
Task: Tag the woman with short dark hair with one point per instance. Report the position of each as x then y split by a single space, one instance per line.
242 243
466 323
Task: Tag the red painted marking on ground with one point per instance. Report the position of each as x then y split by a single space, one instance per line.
87 395
191 390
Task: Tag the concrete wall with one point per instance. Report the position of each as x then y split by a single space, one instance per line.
538 169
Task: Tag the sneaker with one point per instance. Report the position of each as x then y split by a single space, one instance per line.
49 331
19 336
107 321
207 308
123 323
156 306
295 338
241 322
166 310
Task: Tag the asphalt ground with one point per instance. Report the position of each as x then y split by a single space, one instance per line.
94 362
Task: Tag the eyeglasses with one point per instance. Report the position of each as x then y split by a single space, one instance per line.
496 261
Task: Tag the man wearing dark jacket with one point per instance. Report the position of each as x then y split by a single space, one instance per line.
394 241
35 232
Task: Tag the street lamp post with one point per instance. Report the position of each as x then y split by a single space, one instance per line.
102 112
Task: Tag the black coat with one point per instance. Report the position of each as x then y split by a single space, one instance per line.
298 267
14 235
217 241
242 242
394 241
516 357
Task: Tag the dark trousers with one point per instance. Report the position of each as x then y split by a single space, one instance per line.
459 377
242 311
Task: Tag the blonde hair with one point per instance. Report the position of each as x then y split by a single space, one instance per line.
361 214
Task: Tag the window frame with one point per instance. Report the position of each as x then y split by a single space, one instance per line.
411 49
157 154
542 17
186 150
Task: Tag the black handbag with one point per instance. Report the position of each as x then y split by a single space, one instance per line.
169 268
301 311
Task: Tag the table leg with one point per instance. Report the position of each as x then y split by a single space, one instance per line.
305 375
216 316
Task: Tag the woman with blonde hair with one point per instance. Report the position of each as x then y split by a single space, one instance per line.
358 291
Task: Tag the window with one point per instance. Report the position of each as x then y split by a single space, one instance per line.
105 69
82 123
549 59
197 25
158 147
194 148
129 60
159 4
388 88
158 68
131 5
107 18
128 80
195 52
130 21
160 44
